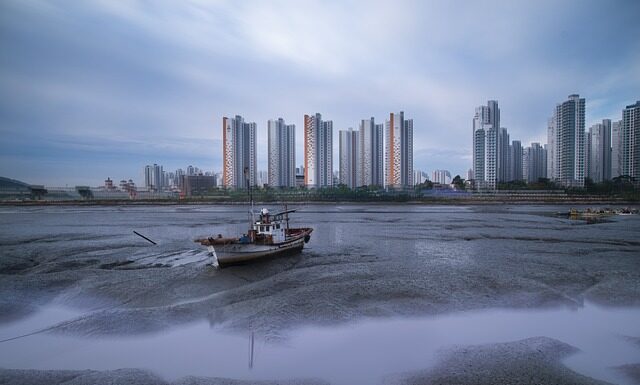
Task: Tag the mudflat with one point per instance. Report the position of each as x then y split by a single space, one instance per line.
364 262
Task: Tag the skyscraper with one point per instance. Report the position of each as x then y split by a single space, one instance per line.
239 152
441 176
631 141
371 168
399 151
616 149
598 152
551 148
516 160
154 177
569 142
486 127
504 156
318 151
534 163
418 177
148 177
282 153
349 157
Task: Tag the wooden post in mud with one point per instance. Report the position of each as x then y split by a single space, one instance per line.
142 236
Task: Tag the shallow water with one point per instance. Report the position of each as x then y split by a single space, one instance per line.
378 290
359 353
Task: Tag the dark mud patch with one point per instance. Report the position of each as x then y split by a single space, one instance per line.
631 371
116 265
124 376
70 265
17 266
532 361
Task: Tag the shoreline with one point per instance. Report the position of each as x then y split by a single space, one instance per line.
430 202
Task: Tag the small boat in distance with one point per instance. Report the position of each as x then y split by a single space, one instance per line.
267 237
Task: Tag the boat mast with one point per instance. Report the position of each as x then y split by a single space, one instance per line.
251 352
247 178
286 215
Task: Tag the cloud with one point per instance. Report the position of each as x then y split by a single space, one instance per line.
154 81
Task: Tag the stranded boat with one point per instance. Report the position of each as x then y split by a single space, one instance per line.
599 213
267 237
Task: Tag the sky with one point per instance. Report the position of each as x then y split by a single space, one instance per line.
97 89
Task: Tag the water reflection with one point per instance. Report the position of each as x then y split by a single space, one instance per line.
359 353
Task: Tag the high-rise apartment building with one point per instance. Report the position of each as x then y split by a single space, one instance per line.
318 151
616 149
534 163
551 148
598 152
399 151
148 176
515 152
631 141
441 176
179 172
418 177
371 168
486 129
262 178
569 142
349 157
238 152
154 177
282 153
504 156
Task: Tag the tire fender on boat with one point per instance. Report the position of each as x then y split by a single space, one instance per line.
307 238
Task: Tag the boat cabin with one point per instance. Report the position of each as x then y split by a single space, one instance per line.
270 227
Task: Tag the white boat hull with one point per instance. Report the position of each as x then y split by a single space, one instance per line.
237 253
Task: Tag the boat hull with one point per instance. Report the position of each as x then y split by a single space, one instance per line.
237 253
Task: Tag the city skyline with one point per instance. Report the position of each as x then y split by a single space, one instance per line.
155 88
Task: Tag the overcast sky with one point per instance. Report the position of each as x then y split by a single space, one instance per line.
101 88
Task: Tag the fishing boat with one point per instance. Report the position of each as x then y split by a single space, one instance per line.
267 237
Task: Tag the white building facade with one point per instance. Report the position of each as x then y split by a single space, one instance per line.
616 149
371 168
281 146
486 129
569 142
349 154
318 152
399 151
631 141
598 152
238 153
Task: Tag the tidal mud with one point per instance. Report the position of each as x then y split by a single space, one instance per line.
363 262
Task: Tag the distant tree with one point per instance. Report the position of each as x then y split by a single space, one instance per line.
588 184
426 185
458 182
513 185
